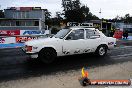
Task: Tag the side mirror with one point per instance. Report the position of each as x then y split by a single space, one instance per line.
69 38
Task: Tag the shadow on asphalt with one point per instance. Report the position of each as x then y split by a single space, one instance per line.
35 68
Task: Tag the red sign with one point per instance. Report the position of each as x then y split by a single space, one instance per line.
26 8
24 39
9 32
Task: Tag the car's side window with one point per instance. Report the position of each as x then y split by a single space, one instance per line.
92 34
76 34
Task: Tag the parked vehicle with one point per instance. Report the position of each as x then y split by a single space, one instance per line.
70 41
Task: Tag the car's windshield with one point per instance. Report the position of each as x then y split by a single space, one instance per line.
62 33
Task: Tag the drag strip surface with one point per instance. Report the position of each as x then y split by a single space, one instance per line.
15 64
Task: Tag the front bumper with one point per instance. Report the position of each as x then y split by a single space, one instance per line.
31 54
115 45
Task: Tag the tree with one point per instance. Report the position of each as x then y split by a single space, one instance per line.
126 19
85 10
48 20
58 15
76 4
76 12
1 14
72 10
88 15
74 15
57 19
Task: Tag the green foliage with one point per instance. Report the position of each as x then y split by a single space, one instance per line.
52 21
74 15
126 19
55 21
1 14
54 30
48 20
75 12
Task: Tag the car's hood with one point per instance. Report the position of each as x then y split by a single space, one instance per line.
40 41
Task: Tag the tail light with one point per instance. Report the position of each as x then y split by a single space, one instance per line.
28 48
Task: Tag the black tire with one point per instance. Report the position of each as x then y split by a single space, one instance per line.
47 55
101 50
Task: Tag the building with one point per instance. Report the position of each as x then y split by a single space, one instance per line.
124 26
23 18
105 26
128 27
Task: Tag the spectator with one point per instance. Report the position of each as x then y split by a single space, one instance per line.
111 33
125 34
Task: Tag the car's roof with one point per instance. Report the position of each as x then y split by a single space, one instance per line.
82 27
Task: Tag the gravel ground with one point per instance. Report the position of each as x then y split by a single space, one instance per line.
69 79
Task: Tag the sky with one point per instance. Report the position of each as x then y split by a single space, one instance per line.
109 8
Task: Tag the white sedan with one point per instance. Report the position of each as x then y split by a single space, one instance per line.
70 41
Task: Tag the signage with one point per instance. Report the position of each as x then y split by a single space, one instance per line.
24 39
26 8
9 32
7 40
79 24
85 81
31 32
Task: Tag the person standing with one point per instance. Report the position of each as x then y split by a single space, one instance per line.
125 34
111 33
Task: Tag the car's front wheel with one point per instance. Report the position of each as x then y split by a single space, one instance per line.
47 55
101 50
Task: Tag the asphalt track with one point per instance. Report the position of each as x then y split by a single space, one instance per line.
15 64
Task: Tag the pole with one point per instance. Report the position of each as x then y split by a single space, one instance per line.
100 18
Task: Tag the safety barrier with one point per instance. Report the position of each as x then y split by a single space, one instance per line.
17 41
16 38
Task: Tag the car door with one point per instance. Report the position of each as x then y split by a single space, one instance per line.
92 40
74 42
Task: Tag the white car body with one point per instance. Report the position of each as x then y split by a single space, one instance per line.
64 46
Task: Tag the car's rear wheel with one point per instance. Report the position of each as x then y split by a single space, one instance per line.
101 50
47 55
